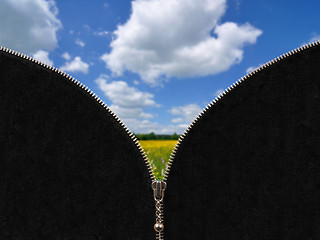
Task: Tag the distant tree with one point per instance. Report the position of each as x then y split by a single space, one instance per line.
152 136
175 136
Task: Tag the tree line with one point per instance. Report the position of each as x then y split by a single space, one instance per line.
153 136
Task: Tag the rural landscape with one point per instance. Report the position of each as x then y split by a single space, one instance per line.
158 149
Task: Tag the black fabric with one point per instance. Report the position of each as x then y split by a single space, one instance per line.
250 167
68 170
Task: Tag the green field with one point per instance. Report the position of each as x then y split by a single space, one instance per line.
158 152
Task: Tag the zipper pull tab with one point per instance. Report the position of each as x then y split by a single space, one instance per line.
158 187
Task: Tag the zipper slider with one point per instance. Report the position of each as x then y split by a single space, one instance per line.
158 187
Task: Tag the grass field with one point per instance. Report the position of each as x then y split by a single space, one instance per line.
158 152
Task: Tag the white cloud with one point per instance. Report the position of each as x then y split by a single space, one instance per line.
218 92
29 25
80 43
127 102
165 38
146 126
186 113
250 69
177 120
105 5
43 56
101 33
76 65
315 37
66 56
126 113
87 27
135 82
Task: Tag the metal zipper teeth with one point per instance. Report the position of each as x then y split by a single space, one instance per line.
94 96
225 92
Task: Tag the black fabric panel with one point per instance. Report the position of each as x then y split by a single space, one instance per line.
250 167
68 170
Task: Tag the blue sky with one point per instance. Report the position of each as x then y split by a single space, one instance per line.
157 63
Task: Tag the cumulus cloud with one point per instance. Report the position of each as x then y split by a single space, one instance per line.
80 43
250 69
101 33
127 102
43 56
147 126
218 92
87 27
182 38
29 26
315 37
186 113
76 65
66 56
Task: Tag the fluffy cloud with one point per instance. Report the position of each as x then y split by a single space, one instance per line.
252 68
186 113
315 37
147 126
127 102
80 43
76 65
29 25
101 33
66 56
43 56
165 38
218 92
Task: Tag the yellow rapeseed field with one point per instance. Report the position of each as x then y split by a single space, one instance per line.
158 152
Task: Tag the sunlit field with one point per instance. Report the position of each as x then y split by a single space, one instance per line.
158 152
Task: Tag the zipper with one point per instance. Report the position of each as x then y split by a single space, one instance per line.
225 92
93 95
158 198
159 186
212 104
